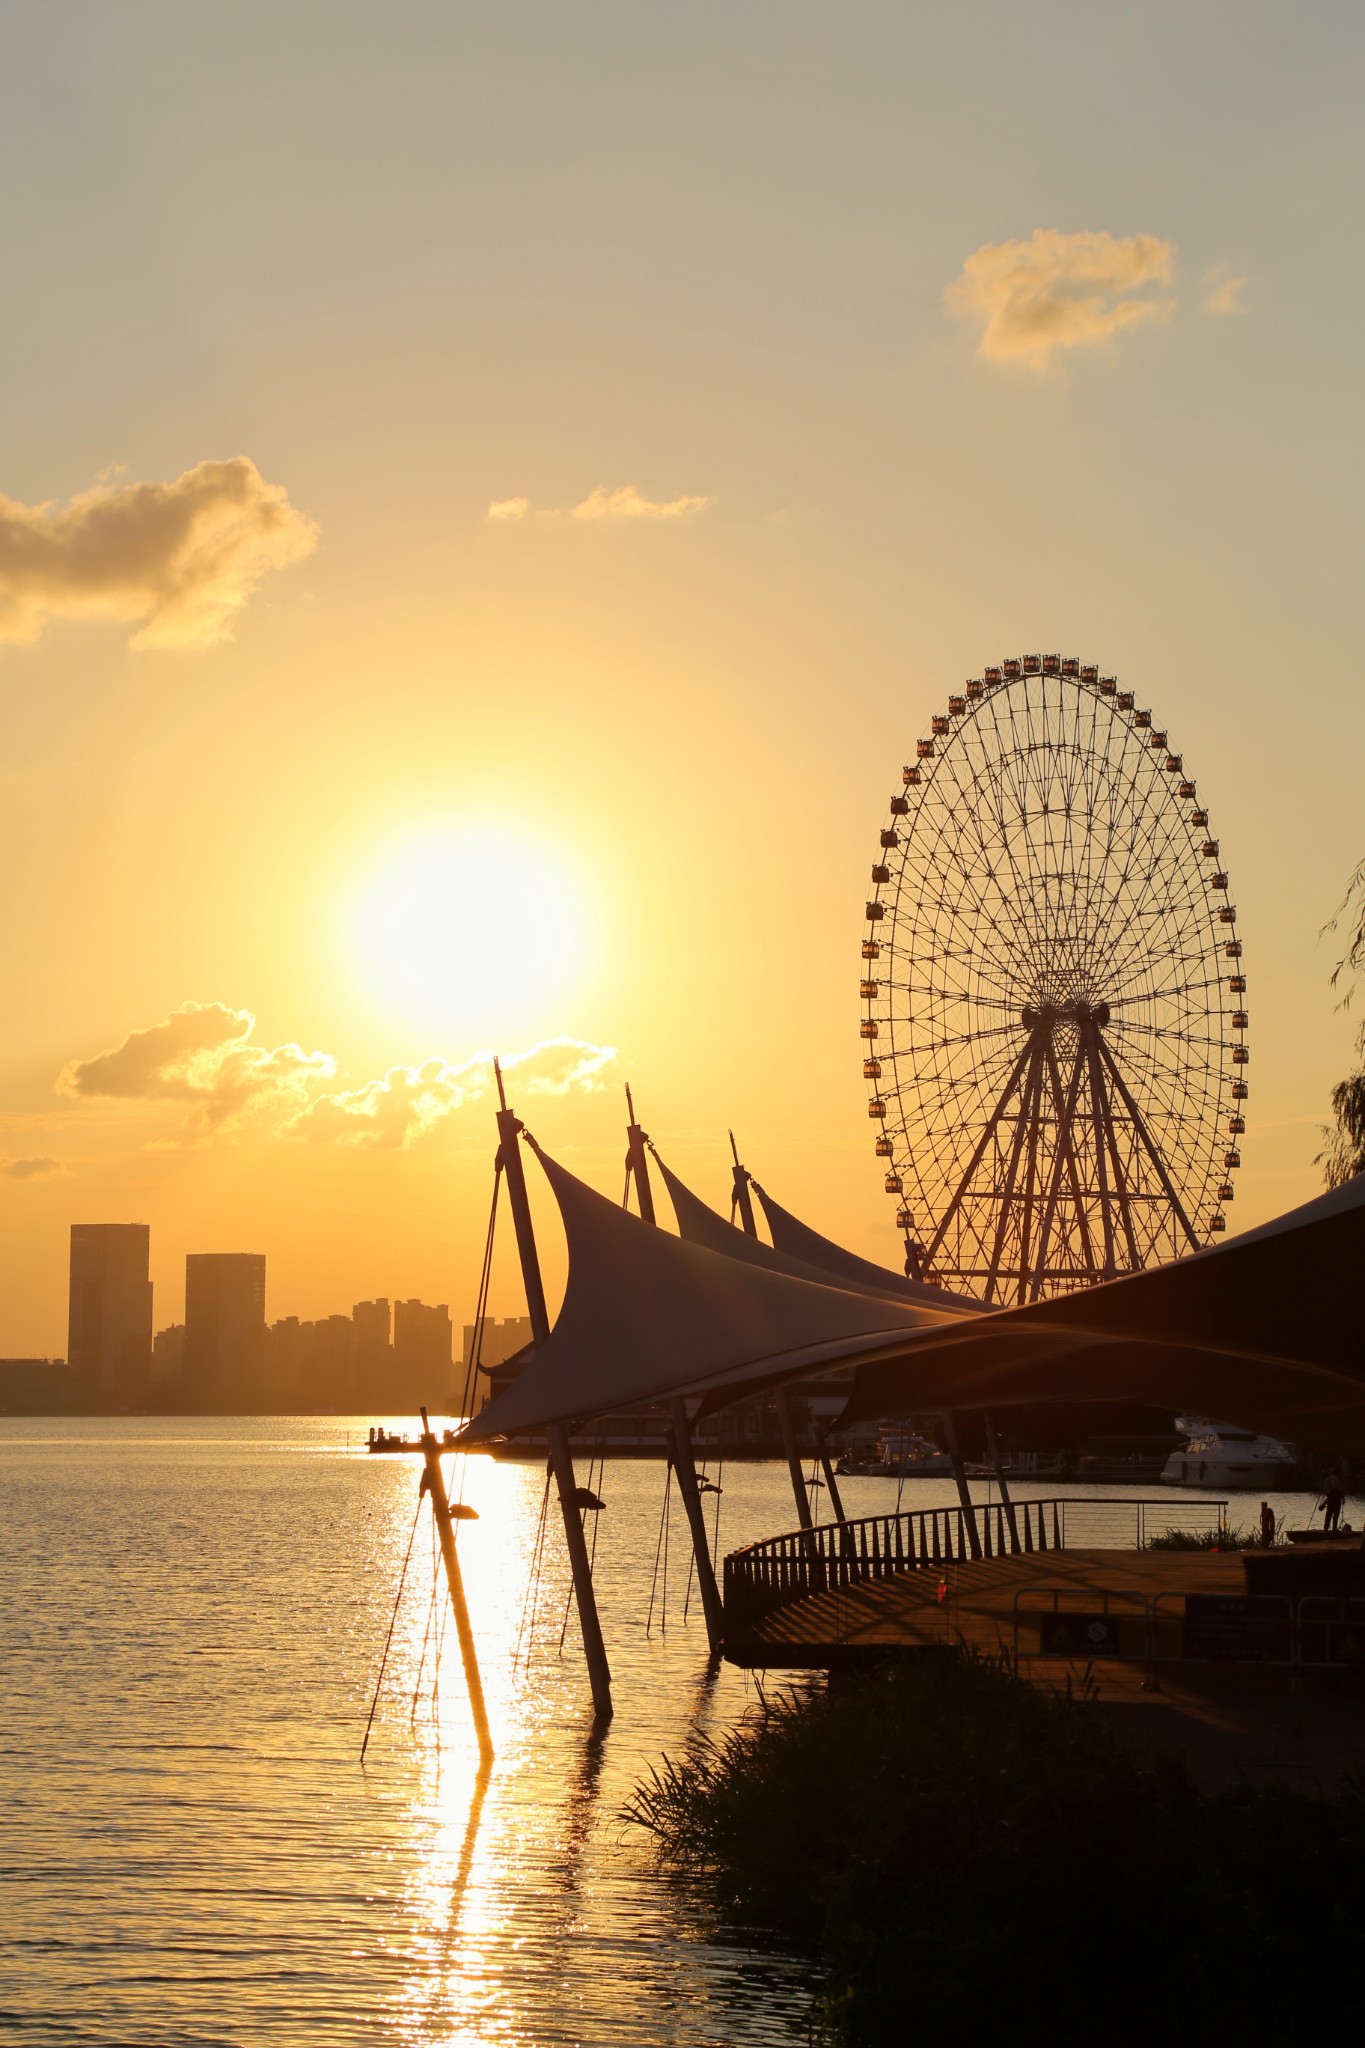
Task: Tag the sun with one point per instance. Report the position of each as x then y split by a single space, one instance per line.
472 931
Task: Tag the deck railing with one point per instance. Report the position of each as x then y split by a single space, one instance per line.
837 1555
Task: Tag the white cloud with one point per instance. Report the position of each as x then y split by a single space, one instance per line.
203 1056
605 503
1060 291
625 502
407 1102
182 557
1223 290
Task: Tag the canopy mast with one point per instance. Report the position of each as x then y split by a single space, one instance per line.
680 1428
561 1458
744 1202
434 1483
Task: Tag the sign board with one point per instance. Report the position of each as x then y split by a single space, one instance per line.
1235 1627
1078 1635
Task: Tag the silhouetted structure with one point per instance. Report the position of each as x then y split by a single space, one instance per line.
224 1344
423 1342
168 1355
373 1354
501 1340
109 1326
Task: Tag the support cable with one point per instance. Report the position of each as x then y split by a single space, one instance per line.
481 1307
402 1580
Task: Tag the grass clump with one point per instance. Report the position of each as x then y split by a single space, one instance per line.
946 1842
1204 1539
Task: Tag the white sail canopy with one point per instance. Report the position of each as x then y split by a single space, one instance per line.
646 1314
1264 1326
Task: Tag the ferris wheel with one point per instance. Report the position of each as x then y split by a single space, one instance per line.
1054 1002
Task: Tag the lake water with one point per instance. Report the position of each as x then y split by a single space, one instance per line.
192 1614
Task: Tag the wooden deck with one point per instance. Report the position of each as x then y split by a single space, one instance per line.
974 1603
1263 1723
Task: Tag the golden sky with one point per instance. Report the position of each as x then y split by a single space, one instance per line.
491 497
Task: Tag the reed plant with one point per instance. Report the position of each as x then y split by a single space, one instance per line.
948 1843
1204 1539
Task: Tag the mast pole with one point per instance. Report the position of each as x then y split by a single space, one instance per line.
561 1458
782 1399
440 1508
680 1429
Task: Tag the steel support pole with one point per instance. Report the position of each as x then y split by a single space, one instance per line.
827 1467
1140 1126
745 1204
964 1491
440 1508
561 1458
789 1444
993 1453
684 1464
978 1155
680 1432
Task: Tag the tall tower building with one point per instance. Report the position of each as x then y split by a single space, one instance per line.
224 1347
109 1319
423 1340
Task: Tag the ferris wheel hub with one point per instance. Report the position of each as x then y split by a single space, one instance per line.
1047 1016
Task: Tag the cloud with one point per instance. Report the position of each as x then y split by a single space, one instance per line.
1223 290
183 557
203 1056
626 503
602 504
30 1169
1059 291
407 1102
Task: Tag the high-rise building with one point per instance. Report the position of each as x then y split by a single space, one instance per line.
423 1342
373 1357
109 1326
168 1354
501 1340
224 1325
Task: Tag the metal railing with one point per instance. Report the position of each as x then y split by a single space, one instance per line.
837 1556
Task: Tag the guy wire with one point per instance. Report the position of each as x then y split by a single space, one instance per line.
402 1577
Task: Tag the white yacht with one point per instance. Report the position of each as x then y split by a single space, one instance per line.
900 1454
1220 1454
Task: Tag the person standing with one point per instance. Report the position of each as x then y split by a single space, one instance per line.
1267 1526
1334 1500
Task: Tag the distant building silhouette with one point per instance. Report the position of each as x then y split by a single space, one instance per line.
109 1324
501 1340
224 1344
38 1386
168 1354
423 1352
373 1379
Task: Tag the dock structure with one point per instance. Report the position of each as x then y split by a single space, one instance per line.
1054 1584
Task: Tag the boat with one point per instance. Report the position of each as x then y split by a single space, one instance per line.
1222 1454
899 1454
382 1439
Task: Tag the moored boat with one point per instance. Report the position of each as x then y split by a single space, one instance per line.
1220 1454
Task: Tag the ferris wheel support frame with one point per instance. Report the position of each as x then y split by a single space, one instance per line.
1037 1067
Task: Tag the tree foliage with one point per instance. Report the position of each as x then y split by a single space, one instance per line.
1343 1153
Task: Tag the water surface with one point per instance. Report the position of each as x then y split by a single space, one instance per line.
192 1614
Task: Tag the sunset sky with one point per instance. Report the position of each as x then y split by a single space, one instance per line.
492 496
